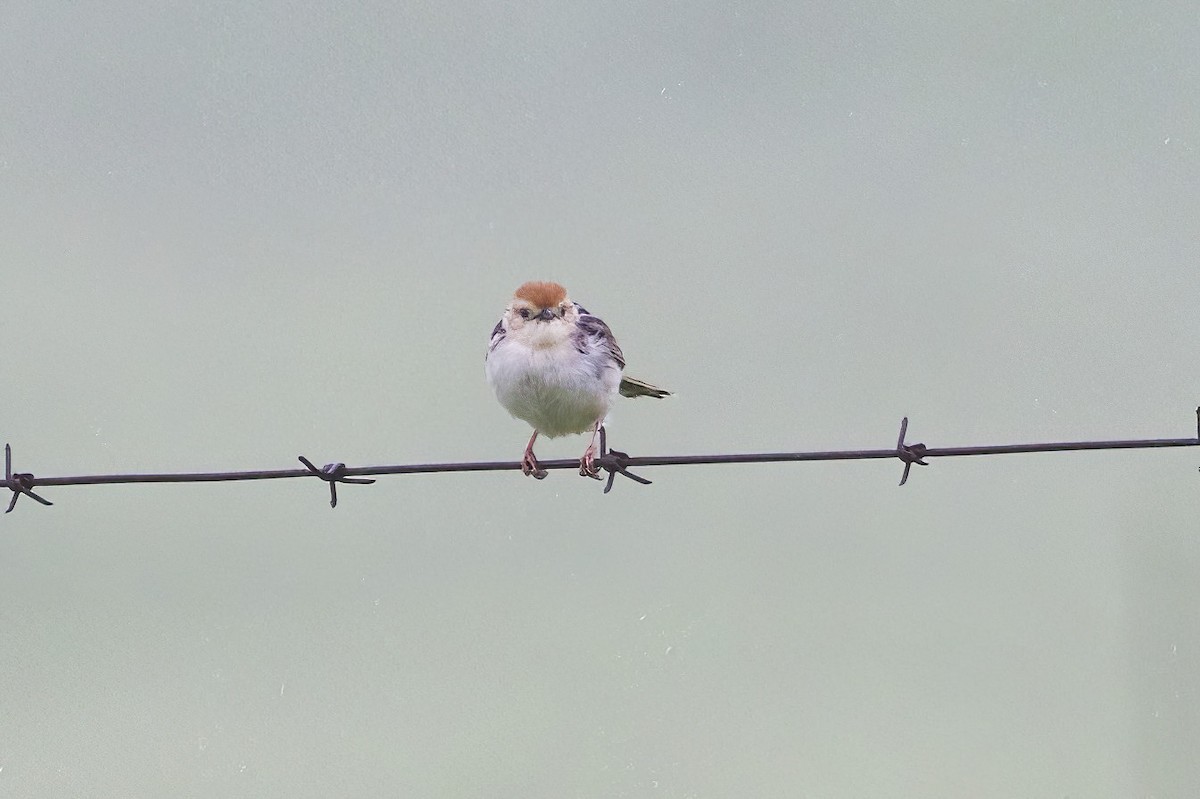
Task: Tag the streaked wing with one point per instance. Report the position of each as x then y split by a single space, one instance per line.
590 331
632 387
498 334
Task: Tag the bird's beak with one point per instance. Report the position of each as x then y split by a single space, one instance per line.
545 316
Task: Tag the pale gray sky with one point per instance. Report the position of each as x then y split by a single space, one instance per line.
231 235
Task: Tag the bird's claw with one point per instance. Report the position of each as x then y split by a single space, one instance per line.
587 465
530 467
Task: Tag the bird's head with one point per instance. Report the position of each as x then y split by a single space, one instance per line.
541 313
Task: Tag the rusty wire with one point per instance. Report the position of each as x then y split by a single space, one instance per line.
610 460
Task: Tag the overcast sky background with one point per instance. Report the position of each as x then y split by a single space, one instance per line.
234 234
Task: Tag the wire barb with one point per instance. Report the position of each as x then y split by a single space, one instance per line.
18 484
909 453
333 473
615 462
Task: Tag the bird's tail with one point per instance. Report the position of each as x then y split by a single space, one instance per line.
632 387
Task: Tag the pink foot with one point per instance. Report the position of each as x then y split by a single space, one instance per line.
587 464
529 467
529 464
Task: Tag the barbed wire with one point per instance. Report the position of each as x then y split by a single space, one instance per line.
612 461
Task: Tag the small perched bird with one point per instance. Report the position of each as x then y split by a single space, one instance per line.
554 365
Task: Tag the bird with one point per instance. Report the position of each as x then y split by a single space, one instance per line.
558 367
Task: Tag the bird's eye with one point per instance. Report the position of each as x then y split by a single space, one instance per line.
524 312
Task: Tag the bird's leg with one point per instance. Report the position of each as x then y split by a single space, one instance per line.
587 464
529 464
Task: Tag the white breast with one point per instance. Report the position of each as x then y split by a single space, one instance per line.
556 389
